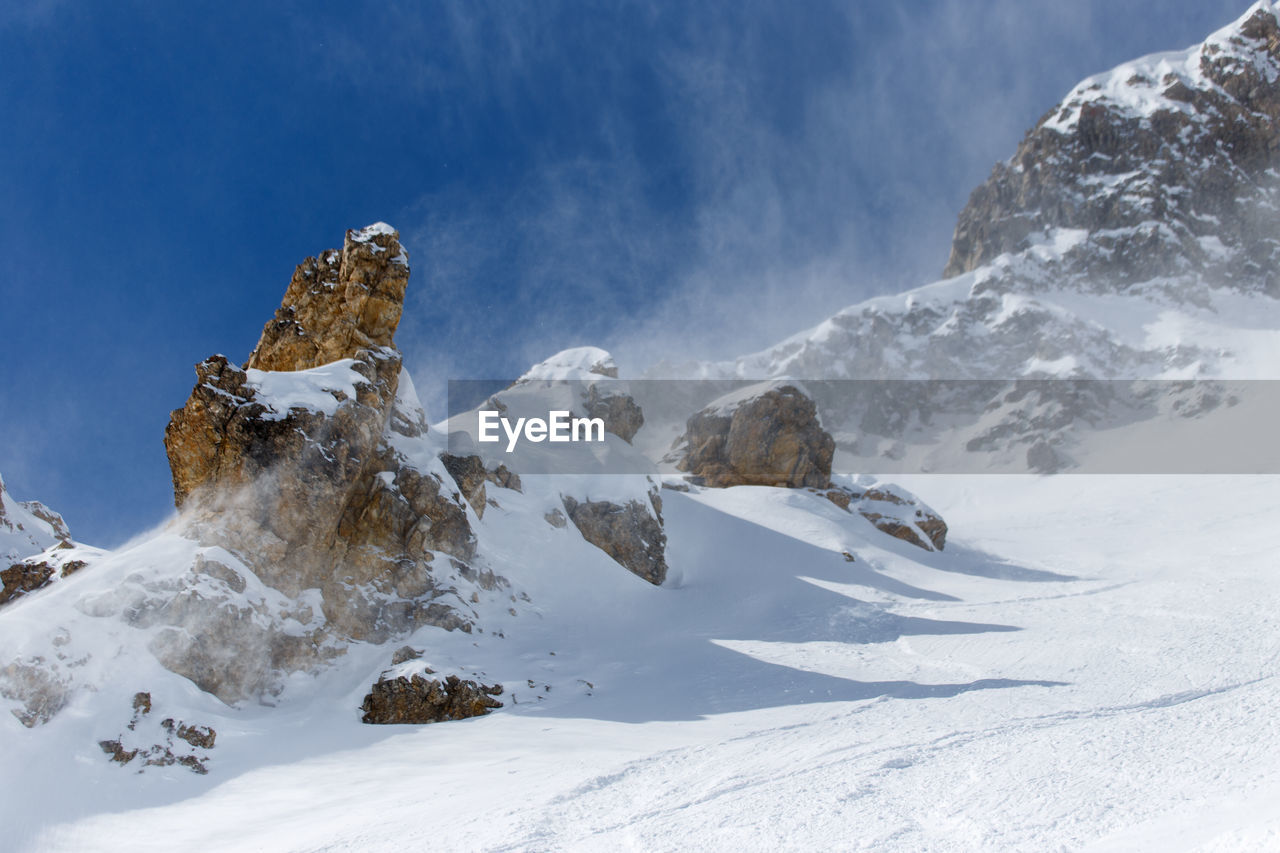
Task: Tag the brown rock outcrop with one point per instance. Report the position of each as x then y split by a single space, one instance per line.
309 491
895 512
427 700
470 474
338 304
771 439
37 572
24 577
630 533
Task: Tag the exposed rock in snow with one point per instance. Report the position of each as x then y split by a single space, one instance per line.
631 532
470 473
581 363
40 691
35 573
154 746
763 436
895 511
620 412
428 700
582 369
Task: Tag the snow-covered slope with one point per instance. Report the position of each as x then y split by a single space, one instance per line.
1109 691
26 528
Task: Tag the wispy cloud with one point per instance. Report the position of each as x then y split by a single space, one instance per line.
809 157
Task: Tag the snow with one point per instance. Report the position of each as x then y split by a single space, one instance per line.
577 363
1137 87
1030 688
320 389
22 534
377 229
729 403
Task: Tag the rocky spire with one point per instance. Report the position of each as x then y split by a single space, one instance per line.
291 464
338 303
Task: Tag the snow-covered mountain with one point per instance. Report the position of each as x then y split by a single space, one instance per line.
726 643
27 527
1130 236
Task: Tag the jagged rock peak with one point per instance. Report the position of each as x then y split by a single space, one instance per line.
1161 166
338 303
303 466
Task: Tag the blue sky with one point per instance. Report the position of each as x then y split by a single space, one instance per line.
661 179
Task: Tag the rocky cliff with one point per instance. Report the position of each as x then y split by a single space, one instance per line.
292 464
1167 165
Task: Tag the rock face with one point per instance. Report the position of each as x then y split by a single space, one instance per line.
426 700
1166 164
621 414
298 474
338 304
771 438
470 473
630 533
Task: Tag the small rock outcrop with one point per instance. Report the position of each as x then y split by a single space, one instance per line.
769 438
22 578
894 511
619 411
39 571
135 743
470 473
586 372
416 699
631 532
